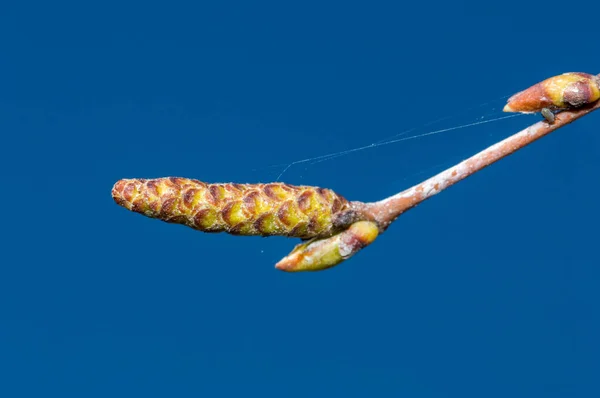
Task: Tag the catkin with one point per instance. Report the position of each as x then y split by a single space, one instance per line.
239 209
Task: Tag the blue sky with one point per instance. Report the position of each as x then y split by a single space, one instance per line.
488 289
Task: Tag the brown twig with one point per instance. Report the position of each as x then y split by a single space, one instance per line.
384 212
327 252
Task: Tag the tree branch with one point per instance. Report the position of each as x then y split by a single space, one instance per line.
333 228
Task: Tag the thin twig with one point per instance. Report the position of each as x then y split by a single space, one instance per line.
384 212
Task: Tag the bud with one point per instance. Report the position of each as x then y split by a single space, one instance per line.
321 254
569 90
239 209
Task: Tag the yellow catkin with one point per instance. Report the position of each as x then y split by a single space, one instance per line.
239 209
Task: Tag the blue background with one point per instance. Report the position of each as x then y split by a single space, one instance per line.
489 289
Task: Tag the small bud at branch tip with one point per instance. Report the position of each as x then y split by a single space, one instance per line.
566 91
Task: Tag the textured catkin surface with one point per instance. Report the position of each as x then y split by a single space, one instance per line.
240 209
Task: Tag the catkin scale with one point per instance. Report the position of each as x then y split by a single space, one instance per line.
240 209
569 90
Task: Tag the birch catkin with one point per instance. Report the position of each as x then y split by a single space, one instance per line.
239 209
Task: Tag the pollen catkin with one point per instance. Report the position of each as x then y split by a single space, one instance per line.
239 209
